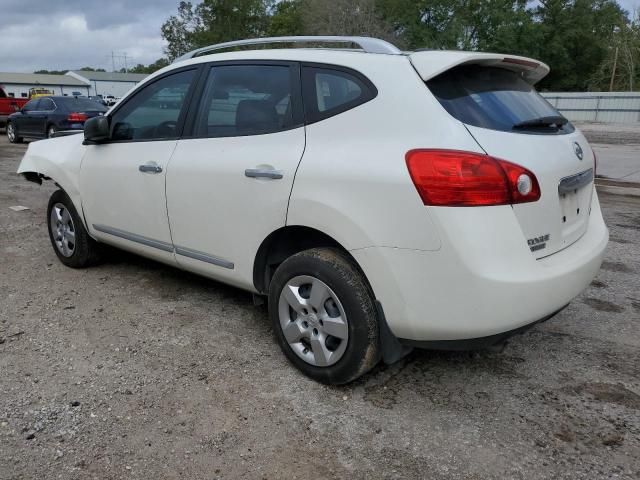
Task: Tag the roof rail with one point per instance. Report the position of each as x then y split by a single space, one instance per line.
367 44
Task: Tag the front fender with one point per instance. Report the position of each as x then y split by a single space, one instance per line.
58 159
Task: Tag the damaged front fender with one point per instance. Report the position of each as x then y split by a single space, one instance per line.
57 159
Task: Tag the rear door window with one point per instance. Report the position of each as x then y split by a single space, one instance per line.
497 99
329 91
46 105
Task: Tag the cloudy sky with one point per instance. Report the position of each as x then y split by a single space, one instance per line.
70 34
61 34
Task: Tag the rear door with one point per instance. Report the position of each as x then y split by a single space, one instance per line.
511 121
228 185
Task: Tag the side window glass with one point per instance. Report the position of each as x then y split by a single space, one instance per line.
328 92
46 105
245 100
31 105
154 111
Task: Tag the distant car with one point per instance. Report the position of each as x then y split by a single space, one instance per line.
43 117
109 100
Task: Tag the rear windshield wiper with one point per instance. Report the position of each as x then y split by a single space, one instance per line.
552 120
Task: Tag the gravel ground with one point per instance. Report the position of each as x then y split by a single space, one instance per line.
137 370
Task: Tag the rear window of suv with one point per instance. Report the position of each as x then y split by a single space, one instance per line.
495 98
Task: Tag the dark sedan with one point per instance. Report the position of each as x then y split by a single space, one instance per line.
43 117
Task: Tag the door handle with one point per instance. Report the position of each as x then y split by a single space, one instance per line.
263 173
150 167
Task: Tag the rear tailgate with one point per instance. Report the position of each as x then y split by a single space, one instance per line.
493 96
561 215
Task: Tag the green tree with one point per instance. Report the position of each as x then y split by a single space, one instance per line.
286 19
620 68
573 39
157 65
214 21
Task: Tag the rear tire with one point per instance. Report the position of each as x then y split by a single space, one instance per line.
70 240
12 133
324 316
51 131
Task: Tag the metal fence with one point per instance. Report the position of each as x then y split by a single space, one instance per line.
605 107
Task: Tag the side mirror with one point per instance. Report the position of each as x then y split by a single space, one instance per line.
96 130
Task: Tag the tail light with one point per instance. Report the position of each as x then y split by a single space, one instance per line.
455 178
76 117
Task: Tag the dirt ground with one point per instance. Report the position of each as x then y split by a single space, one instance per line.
137 370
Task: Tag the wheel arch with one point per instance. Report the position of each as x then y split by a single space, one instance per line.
284 242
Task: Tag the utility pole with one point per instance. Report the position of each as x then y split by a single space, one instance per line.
113 61
613 70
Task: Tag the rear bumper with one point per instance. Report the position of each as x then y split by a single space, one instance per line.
474 343
484 281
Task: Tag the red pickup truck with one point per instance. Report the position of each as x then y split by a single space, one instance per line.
8 105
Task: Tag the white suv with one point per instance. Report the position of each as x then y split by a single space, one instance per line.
381 200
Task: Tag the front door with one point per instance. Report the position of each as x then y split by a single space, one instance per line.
122 182
25 122
228 186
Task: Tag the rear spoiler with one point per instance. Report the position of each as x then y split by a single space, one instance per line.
430 64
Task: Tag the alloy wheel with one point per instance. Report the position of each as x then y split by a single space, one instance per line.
11 132
63 230
313 321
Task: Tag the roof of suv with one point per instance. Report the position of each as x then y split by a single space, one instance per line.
428 63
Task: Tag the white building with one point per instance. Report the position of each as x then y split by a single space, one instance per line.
18 84
107 83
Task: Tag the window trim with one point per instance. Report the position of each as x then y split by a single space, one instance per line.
309 95
184 111
297 108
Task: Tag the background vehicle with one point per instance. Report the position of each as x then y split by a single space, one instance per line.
379 200
37 92
109 100
43 117
9 105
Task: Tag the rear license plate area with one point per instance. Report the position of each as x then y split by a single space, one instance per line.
575 194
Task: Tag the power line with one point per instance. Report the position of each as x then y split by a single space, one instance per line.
120 56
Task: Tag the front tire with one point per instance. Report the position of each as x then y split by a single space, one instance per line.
70 240
12 134
324 316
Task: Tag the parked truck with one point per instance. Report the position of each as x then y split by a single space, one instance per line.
9 105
